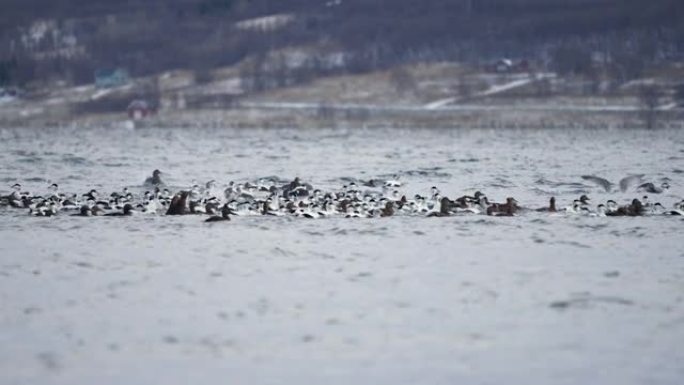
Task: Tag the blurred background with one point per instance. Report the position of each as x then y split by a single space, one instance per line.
335 62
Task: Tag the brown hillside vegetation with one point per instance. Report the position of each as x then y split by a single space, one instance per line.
150 36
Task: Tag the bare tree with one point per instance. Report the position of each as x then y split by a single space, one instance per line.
203 73
679 95
280 71
572 60
253 75
628 66
6 68
325 111
542 87
595 83
649 100
402 80
465 87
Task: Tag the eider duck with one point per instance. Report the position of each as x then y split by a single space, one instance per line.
507 209
225 212
155 179
388 210
444 208
551 208
85 211
653 189
179 204
127 211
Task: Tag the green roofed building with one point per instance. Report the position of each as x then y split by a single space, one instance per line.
108 78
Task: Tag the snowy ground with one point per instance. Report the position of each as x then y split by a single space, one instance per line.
493 90
403 300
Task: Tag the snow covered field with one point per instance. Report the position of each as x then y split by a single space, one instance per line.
533 299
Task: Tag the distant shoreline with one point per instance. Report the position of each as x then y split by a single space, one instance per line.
329 116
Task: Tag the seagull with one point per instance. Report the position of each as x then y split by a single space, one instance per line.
625 183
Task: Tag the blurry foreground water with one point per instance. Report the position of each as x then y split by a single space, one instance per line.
534 299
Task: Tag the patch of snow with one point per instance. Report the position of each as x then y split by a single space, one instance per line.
7 99
266 23
104 92
492 90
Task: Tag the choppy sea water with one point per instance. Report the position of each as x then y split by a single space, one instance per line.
529 299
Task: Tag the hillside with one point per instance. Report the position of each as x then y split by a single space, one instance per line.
46 41
305 62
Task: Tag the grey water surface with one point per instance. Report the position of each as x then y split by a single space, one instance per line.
532 299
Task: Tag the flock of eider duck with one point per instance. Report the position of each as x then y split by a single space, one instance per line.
374 198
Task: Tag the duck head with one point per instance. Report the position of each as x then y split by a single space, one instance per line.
444 205
85 211
128 209
226 211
